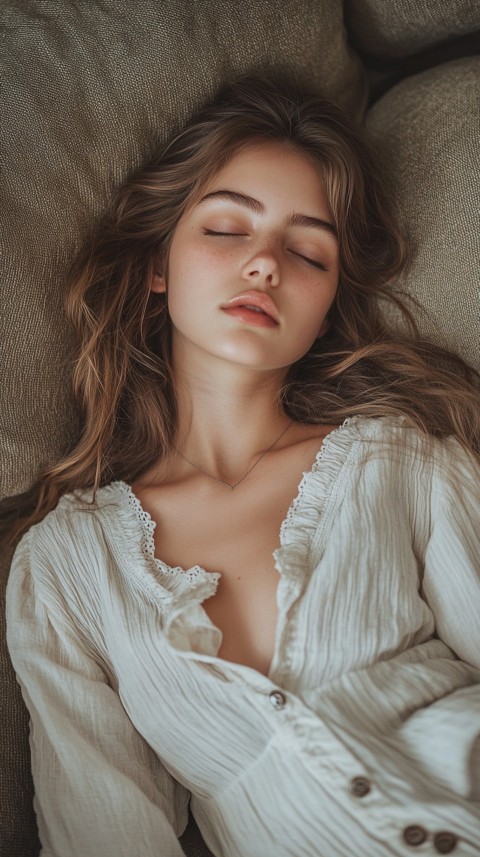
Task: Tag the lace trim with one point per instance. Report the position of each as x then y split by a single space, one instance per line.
307 476
148 526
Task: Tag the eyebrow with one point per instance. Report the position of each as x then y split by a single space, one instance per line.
258 208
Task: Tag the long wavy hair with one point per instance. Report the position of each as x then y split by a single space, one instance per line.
366 364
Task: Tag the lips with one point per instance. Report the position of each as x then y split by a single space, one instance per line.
255 301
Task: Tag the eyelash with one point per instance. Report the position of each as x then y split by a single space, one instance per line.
317 265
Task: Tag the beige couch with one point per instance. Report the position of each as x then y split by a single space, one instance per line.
92 88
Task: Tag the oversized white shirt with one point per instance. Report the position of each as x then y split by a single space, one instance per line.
364 738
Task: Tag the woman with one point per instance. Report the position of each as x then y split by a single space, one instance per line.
253 582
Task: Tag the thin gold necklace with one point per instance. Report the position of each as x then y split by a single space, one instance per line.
217 479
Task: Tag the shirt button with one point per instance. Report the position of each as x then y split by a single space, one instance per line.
277 699
444 841
360 786
414 834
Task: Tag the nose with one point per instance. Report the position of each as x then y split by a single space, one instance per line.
262 268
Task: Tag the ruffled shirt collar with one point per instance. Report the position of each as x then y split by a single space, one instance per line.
179 592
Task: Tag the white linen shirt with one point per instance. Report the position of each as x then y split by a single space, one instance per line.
364 737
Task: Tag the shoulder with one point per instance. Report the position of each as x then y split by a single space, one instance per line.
75 536
81 511
68 563
399 435
436 464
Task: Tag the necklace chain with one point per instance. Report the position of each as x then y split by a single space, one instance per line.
229 485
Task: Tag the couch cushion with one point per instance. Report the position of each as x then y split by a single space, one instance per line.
426 129
91 89
18 831
398 28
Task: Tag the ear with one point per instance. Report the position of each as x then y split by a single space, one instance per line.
158 283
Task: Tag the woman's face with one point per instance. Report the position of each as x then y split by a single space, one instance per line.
253 266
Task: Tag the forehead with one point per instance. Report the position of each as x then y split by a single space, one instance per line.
272 171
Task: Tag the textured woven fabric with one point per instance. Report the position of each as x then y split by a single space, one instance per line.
398 28
426 129
192 842
91 89
18 832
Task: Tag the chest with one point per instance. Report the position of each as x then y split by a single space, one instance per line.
360 572
200 522
235 535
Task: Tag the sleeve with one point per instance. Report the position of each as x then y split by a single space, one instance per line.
451 582
99 788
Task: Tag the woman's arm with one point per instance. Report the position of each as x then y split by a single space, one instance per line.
99 788
451 583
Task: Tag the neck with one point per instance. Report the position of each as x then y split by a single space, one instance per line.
223 428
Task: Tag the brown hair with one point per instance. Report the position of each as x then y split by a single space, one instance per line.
122 379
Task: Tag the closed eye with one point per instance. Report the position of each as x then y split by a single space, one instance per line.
311 262
222 234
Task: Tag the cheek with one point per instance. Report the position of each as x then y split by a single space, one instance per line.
198 265
314 303
214 261
193 287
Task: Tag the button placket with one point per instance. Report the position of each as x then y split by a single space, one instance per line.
359 785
